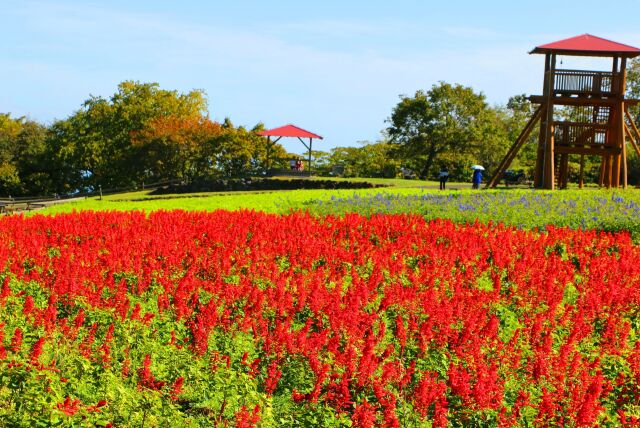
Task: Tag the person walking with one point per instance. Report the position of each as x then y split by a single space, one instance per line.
444 176
477 178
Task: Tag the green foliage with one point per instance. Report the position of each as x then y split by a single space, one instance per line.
146 134
633 86
23 166
368 160
210 393
599 209
95 145
449 124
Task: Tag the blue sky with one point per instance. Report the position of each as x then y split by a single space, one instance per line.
333 67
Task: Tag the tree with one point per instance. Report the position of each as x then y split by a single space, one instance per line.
242 152
9 177
23 168
369 160
442 120
633 86
518 111
95 146
492 138
175 147
633 91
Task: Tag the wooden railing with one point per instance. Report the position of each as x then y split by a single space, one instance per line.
580 134
583 82
585 114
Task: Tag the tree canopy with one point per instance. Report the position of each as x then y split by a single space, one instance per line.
449 124
141 133
23 168
144 134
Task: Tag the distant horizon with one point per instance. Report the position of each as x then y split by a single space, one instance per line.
334 69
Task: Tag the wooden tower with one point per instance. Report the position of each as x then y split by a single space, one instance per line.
595 119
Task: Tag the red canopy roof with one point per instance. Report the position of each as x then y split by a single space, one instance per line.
588 45
289 131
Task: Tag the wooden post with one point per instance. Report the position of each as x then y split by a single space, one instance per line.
310 143
620 125
268 153
614 76
615 168
547 91
548 175
633 125
614 134
624 162
581 182
564 171
632 140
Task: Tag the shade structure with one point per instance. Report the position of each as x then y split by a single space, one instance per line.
289 131
588 45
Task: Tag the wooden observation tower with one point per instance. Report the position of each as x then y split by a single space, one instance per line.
592 118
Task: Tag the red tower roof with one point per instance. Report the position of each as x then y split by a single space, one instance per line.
289 131
588 45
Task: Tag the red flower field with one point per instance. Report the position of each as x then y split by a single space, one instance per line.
244 319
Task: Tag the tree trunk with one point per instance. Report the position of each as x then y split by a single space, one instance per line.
429 162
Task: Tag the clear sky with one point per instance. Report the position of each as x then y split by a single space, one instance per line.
333 67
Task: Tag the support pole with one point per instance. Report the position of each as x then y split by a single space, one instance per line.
615 171
540 158
515 148
310 143
268 153
622 157
634 127
624 160
548 175
632 138
564 171
581 182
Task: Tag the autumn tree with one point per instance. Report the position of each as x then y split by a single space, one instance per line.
177 147
95 146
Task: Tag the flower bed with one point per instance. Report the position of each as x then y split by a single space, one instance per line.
244 318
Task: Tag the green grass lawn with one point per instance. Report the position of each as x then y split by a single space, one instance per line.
267 201
600 209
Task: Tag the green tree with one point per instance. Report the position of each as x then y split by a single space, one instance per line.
242 152
9 177
95 146
633 86
633 91
443 120
23 164
518 111
369 160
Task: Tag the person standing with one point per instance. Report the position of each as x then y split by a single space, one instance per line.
444 176
477 178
